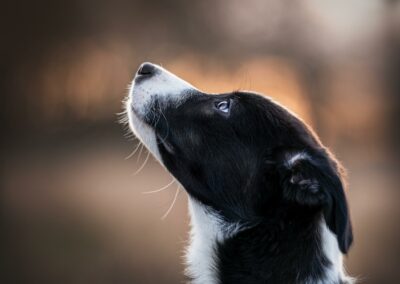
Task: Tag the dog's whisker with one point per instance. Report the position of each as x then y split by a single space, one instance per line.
166 121
227 195
133 152
158 119
160 189
173 203
140 153
144 163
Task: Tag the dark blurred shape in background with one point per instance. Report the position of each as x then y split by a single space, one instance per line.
74 213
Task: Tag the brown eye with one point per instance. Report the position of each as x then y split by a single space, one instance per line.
223 106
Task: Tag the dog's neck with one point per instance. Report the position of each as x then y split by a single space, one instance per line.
205 234
216 250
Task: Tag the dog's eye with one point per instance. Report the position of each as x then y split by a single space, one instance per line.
223 106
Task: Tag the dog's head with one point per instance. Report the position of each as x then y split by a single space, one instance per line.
239 153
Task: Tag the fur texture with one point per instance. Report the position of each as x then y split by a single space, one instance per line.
267 199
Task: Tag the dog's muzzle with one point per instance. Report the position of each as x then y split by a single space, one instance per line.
153 85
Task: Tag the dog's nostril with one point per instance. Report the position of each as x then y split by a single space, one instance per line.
146 69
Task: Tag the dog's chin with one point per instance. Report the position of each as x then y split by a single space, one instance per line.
142 130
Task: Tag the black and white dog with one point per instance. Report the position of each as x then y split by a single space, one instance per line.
266 198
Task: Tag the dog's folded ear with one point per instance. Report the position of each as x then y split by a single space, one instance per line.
311 180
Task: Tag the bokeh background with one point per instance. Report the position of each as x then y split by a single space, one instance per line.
72 209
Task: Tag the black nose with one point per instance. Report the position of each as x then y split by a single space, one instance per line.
146 69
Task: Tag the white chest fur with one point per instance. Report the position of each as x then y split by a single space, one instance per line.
205 234
207 230
331 249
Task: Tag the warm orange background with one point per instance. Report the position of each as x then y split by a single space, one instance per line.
74 212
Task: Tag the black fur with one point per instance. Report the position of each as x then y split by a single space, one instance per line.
236 163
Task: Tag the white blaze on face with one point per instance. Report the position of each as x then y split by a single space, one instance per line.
162 86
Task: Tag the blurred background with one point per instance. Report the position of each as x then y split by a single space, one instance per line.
73 211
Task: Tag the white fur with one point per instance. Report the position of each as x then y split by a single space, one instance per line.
207 227
142 131
207 230
295 157
167 87
331 250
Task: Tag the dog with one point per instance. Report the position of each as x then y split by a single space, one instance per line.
266 198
